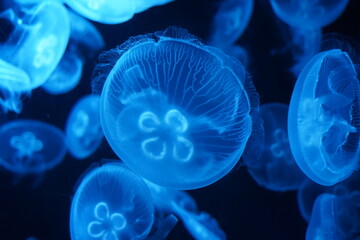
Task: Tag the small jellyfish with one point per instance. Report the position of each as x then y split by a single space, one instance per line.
276 169
30 146
83 128
111 202
38 41
323 125
111 12
177 112
306 18
14 82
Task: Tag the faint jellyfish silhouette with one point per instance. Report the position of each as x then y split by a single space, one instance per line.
111 202
14 82
323 118
30 146
277 169
174 106
31 238
111 12
83 127
38 41
306 18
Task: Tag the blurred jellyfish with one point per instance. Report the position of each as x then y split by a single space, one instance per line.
306 18
323 118
31 238
14 82
38 41
111 202
30 146
111 11
229 24
199 224
277 169
83 128
176 111
335 217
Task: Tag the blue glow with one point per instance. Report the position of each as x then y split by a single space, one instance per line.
83 128
111 202
176 111
277 169
30 146
111 12
38 41
322 124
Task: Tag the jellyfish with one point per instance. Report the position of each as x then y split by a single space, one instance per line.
277 169
14 83
111 12
335 217
323 124
38 41
177 112
30 146
199 224
306 18
83 128
111 202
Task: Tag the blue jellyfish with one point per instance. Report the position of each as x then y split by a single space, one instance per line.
30 146
306 18
323 124
174 110
276 169
14 82
38 41
111 202
199 224
111 12
83 128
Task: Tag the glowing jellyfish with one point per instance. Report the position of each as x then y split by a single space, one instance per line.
199 224
38 41
306 18
83 128
176 111
14 82
323 124
277 169
335 217
111 202
111 11
29 146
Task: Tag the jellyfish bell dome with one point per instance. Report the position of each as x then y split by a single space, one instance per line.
174 110
111 202
323 124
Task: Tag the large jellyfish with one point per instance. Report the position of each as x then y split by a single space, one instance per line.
306 18
29 146
112 11
83 128
323 123
276 169
38 41
176 111
111 202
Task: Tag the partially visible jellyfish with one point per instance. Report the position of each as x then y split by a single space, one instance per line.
83 128
31 238
111 202
199 224
29 146
276 169
306 18
335 217
14 82
177 112
111 12
323 125
38 41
